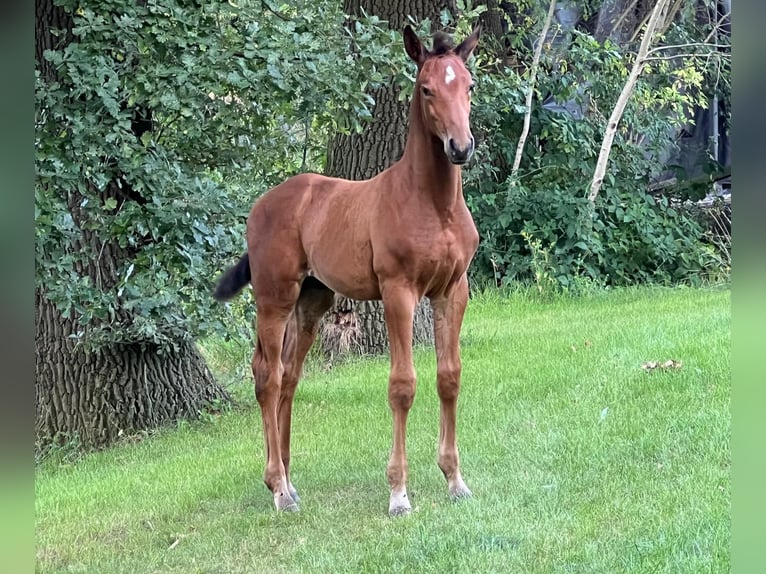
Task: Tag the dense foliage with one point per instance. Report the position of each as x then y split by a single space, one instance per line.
539 226
192 109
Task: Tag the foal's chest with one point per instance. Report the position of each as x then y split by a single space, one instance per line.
438 254
451 245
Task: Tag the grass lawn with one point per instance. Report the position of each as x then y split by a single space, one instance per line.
580 461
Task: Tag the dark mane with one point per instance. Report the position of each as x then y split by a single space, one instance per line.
443 43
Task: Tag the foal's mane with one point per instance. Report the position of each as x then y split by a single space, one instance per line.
443 43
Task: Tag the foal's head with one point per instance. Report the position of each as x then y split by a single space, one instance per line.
443 87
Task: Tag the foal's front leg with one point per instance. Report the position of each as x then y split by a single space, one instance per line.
399 306
448 318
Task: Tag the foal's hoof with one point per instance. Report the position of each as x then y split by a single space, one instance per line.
459 491
399 505
399 510
285 503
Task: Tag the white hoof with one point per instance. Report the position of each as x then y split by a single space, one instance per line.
284 502
293 492
458 490
399 504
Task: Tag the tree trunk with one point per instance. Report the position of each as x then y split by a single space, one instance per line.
95 396
95 393
531 89
493 20
358 325
617 20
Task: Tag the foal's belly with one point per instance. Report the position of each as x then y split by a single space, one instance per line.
359 288
347 270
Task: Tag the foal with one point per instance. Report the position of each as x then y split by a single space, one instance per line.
399 236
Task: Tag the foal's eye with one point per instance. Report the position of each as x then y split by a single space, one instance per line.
426 91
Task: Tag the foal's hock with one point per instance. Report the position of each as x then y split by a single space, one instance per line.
400 236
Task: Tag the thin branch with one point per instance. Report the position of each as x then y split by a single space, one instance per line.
658 13
685 55
624 15
639 27
279 15
531 89
670 15
662 26
689 45
718 25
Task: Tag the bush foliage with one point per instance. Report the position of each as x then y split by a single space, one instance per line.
540 223
195 108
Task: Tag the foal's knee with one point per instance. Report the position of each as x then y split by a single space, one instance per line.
401 390
448 382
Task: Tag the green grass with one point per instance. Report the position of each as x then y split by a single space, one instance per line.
579 460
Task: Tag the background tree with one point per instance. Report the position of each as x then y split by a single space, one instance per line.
156 127
92 393
359 325
539 228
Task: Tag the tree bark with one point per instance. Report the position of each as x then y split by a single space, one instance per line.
93 394
493 20
96 396
359 325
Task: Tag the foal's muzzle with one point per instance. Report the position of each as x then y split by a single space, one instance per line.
457 154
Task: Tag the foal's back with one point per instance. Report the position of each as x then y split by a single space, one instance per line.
317 225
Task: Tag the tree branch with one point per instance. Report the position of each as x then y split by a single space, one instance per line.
624 15
655 19
689 45
718 24
279 15
531 89
684 55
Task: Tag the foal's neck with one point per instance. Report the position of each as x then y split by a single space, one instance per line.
431 173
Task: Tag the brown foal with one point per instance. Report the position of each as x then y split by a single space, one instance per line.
399 236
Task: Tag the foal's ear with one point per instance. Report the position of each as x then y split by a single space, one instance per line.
415 49
466 46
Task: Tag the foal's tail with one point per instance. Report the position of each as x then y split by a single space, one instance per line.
233 280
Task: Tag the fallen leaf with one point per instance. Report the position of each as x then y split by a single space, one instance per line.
669 364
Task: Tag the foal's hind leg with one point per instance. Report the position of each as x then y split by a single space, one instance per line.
286 394
272 318
315 299
448 318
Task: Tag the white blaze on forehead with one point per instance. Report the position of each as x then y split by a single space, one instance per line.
450 75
